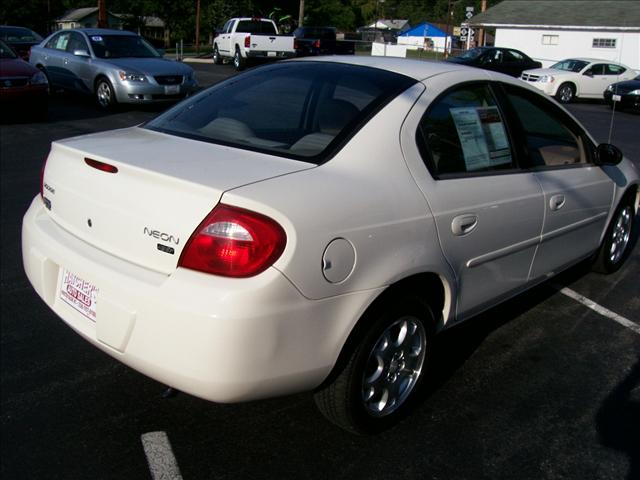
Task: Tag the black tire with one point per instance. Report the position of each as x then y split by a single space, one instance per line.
217 59
617 242
239 62
354 396
105 95
565 93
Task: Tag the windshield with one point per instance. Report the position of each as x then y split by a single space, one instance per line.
472 53
570 65
121 46
5 51
300 110
19 34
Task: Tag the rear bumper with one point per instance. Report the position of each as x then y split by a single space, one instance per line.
269 54
28 93
221 339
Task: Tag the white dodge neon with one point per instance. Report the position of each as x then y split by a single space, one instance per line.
310 225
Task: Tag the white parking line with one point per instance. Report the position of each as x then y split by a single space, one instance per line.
160 457
600 309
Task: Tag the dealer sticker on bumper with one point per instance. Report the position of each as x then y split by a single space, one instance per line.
616 98
79 294
171 89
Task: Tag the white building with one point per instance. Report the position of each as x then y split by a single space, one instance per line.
553 30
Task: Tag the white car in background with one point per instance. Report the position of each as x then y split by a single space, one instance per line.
578 77
311 225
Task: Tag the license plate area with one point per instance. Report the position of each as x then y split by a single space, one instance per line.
271 54
616 98
171 89
79 294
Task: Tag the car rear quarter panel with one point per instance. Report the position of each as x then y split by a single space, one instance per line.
366 195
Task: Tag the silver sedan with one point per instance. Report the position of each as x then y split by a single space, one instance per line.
114 65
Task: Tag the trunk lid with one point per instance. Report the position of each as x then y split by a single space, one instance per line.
164 187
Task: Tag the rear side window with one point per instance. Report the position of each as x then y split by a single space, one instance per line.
463 132
614 69
301 110
551 140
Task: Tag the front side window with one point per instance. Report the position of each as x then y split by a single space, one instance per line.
597 69
76 42
463 132
550 139
296 109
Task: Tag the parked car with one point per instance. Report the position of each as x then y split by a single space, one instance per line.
577 77
243 39
311 224
504 60
21 39
320 41
113 65
23 87
624 94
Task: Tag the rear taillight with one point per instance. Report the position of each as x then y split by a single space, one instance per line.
247 41
316 44
234 242
296 44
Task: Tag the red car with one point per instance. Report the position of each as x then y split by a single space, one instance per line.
22 86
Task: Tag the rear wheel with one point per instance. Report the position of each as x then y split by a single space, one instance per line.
616 244
239 62
384 370
566 93
105 95
217 59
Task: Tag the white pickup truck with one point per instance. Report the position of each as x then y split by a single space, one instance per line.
245 38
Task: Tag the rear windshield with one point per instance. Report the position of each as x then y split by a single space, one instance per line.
313 33
19 34
256 26
300 110
121 46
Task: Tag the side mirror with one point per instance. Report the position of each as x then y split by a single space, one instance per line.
607 154
81 53
588 73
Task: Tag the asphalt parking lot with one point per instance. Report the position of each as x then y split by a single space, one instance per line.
542 387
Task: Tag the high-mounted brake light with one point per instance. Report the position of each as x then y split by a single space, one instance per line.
234 242
247 41
104 167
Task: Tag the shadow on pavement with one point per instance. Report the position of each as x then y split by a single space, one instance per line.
618 420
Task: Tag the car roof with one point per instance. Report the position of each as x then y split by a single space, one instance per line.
103 31
590 60
416 69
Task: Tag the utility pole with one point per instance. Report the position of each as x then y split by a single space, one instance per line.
301 14
197 27
102 14
447 38
483 7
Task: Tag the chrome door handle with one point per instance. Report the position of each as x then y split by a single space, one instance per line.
66 60
464 224
557 202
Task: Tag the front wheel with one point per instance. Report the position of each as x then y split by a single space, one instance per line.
384 370
217 59
565 93
105 95
239 62
616 245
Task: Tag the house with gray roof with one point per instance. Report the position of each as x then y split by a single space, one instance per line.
87 18
553 30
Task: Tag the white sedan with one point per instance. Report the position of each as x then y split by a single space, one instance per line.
577 77
312 224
